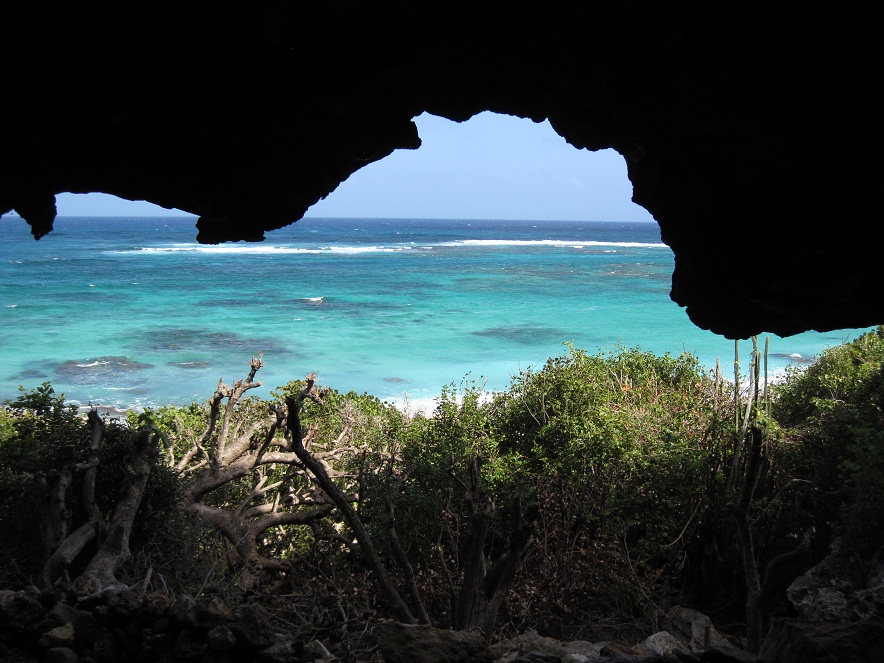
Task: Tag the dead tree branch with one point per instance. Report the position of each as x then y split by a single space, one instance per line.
399 553
100 574
236 452
63 548
294 435
482 591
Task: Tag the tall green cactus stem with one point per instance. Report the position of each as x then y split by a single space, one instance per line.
766 393
751 392
736 385
738 438
756 366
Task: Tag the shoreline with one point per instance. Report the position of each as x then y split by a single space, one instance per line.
426 405
407 406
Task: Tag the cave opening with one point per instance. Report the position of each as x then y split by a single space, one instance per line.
491 166
358 287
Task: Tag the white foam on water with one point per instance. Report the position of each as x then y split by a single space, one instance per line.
368 249
571 244
261 250
426 405
217 250
345 249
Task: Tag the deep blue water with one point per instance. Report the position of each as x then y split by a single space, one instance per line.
132 312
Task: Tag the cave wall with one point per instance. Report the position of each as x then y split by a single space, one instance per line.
750 133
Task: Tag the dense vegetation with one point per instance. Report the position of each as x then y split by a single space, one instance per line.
583 501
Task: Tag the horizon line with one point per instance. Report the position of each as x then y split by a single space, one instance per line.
187 215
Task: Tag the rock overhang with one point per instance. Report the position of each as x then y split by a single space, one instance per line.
751 138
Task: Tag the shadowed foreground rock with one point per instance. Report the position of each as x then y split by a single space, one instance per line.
793 641
131 626
401 643
418 643
840 603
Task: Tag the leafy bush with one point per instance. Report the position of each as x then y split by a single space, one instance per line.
620 459
39 435
630 431
833 412
41 438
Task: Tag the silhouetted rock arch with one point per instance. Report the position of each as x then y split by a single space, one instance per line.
751 137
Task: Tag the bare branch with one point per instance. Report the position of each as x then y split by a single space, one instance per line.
293 424
96 426
291 517
100 574
399 553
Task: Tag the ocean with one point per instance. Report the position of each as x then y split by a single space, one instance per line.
133 313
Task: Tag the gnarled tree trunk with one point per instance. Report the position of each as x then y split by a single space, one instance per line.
482 591
100 574
225 453
294 434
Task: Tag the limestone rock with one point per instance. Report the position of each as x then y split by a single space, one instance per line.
220 638
189 644
61 655
25 608
60 636
182 608
211 614
319 652
696 632
661 643
580 651
525 643
794 641
616 649
252 627
154 646
418 643
105 648
86 627
283 649
530 646
158 604
842 588
538 657
7 603
125 603
62 613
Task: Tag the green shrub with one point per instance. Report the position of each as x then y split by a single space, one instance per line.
622 456
631 431
833 412
40 437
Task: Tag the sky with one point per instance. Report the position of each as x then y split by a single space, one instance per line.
490 167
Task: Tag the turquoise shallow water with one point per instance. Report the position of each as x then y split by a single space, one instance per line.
131 312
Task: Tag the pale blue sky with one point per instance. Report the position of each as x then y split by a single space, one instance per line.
490 167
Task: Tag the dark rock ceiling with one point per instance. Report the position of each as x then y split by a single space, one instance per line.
751 133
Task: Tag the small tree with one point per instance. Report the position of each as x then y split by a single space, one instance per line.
242 477
59 455
751 459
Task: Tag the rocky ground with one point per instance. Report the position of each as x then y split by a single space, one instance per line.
839 605
133 626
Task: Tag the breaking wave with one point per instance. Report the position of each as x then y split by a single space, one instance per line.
357 249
